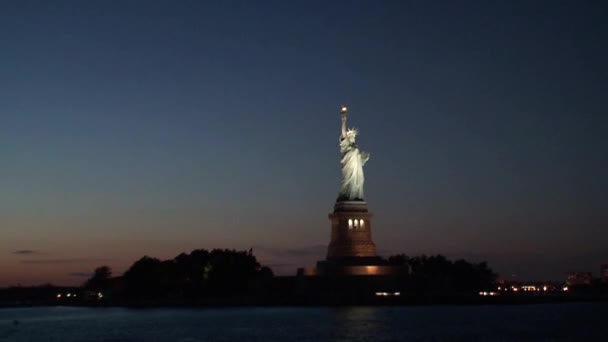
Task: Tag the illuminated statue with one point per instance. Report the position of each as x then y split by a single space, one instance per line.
353 160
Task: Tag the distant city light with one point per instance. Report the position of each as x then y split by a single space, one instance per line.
59 295
565 288
387 294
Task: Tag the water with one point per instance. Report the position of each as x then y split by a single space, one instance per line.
548 322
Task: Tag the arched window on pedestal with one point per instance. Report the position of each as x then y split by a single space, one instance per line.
356 224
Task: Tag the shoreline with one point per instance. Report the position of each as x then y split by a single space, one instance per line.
255 302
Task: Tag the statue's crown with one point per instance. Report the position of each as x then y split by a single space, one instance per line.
352 132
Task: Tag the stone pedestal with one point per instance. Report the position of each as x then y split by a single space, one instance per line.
351 234
351 251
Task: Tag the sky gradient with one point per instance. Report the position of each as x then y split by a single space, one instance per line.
155 127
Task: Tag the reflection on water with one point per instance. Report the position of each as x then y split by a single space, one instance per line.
351 323
551 322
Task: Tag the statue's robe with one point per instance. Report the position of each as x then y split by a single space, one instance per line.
352 170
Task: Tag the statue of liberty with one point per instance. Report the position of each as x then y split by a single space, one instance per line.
353 160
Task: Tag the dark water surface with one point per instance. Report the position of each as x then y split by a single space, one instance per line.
548 322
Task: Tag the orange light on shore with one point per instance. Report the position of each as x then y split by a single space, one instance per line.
372 270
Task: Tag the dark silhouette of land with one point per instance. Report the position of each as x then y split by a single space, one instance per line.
229 277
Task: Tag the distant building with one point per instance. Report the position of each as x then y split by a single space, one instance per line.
604 273
579 278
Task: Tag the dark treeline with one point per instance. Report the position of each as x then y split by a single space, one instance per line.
432 274
203 276
200 274
230 277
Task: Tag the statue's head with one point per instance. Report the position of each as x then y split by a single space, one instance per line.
351 134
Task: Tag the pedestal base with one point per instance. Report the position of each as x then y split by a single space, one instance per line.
354 266
351 234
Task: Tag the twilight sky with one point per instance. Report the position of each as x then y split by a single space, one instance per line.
155 127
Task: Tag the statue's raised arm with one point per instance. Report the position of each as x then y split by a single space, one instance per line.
343 112
352 163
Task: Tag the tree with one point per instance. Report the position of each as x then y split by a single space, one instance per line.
99 279
231 271
438 274
144 278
